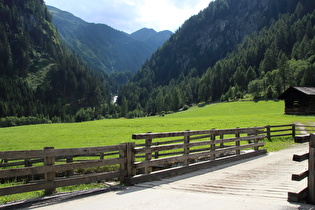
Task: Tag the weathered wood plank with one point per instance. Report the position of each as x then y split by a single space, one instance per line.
299 177
302 138
195 144
186 148
130 159
296 197
194 155
192 133
237 144
16 172
27 154
49 176
148 154
59 183
282 130
300 158
278 126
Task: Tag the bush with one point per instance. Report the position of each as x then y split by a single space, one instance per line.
202 104
135 114
185 107
84 115
16 121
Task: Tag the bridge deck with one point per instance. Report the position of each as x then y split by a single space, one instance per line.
259 183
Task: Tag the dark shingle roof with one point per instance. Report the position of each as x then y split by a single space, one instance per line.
306 90
309 91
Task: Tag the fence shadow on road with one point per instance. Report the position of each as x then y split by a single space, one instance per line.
152 184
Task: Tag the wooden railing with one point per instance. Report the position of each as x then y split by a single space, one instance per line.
307 194
50 174
186 151
151 156
280 130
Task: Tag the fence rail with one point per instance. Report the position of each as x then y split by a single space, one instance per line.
280 130
162 151
51 174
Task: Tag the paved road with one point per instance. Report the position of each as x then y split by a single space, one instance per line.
259 183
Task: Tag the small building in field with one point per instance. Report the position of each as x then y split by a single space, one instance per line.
299 100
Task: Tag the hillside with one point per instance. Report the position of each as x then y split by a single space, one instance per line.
41 79
104 48
229 50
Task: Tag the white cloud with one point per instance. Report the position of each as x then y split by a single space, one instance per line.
131 15
168 14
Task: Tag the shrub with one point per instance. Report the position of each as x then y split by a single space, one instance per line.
84 115
185 107
16 121
202 104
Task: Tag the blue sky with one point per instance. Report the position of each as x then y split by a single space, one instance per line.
132 15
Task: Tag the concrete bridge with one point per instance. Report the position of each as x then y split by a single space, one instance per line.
257 183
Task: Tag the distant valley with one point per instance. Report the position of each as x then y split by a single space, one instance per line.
104 48
55 67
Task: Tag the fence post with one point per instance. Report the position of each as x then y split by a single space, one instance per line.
237 142
186 148
256 140
28 163
70 172
123 166
148 156
212 147
311 169
49 161
156 154
129 169
268 132
222 137
293 130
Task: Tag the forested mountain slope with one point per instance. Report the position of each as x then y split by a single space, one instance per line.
39 76
230 49
102 47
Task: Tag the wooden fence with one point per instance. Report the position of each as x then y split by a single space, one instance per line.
50 174
173 153
280 130
287 130
307 194
151 156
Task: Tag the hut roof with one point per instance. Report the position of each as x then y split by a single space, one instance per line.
309 91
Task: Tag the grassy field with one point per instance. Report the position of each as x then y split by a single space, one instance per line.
116 131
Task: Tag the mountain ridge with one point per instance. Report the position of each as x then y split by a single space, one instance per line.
101 46
151 37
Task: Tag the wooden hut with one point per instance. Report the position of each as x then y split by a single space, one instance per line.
299 100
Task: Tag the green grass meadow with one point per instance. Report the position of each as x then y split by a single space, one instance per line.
116 131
